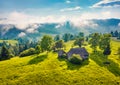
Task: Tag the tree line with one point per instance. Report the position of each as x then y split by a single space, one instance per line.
115 34
48 43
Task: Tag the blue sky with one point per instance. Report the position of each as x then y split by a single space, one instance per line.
43 6
35 11
25 4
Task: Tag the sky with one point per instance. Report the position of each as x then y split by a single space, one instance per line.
23 12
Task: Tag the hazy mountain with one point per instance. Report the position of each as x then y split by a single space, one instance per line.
36 30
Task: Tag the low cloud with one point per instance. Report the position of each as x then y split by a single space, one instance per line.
30 23
119 24
23 21
58 26
22 34
32 28
84 24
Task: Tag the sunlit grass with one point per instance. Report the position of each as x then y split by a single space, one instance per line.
47 69
12 42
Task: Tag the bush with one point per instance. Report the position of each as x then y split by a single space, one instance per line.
63 56
76 59
27 52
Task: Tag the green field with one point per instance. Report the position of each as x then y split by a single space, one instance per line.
12 42
47 69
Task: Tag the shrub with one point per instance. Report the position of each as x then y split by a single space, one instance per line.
27 52
63 56
76 59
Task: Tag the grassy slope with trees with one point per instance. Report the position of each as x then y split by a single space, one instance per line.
13 42
47 69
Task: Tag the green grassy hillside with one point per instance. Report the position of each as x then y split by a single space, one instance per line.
47 69
12 42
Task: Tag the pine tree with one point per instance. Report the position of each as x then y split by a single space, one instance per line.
5 54
116 33
57 37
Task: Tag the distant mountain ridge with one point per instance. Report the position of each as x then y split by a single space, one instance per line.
10 31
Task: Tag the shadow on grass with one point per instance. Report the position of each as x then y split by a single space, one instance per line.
99 58
71 66
38 59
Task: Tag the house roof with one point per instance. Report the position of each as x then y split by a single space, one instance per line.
81 51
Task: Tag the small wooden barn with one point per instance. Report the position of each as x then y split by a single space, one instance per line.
81 51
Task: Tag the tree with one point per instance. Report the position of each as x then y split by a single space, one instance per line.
37 49
57 37
66 37
16 49
94 41
112 33
5 53
11 50
59 44
79 41
87 38
116 33
107 50
80 34
71 37
104 41
46 43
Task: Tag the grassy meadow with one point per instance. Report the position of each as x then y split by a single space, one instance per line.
47 69
12 42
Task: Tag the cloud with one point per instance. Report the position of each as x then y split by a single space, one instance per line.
32 28
119 24
68 1
107 4
30 23
22 34
83 23
5 28
23 20
58 26
71 9
100 15
20 20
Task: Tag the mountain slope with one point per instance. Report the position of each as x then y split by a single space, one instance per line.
36 30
